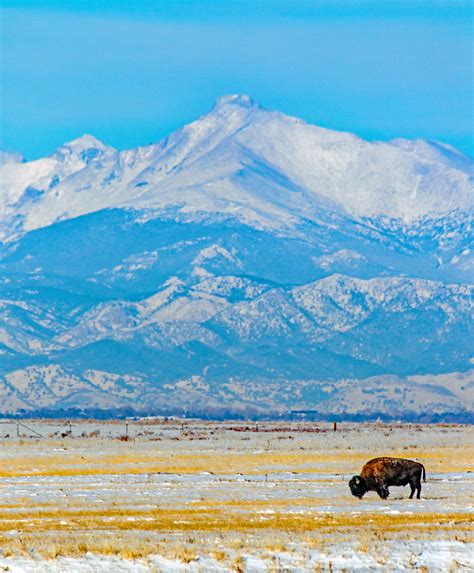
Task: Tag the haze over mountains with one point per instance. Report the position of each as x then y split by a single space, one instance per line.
248 263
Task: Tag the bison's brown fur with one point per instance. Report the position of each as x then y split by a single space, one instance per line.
380 473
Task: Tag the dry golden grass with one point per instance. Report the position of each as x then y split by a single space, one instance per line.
70 463
222 519
133 544
79 543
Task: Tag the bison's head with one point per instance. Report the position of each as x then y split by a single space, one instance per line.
358 487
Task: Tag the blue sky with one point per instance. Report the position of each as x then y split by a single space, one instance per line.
129 72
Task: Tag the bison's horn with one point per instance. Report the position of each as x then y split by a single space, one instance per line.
357 479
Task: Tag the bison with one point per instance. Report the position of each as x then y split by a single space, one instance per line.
380 473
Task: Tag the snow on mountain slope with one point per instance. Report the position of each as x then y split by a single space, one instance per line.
45 174
435 394
237 332
6 157
423 398
331 307
436 151
38 387
263 167
334 308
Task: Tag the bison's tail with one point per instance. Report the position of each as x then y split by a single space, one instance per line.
424 472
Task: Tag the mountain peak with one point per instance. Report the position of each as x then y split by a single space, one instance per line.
83 149
240 100
84 142
262 167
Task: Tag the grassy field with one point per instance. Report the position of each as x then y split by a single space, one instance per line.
212 496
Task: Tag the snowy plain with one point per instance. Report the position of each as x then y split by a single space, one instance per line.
197 496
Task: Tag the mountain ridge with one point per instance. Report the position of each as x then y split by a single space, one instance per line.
216 163
248 262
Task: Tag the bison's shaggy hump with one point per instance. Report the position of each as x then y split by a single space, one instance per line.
380 473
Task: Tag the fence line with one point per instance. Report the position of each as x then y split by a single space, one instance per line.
131 429
29 429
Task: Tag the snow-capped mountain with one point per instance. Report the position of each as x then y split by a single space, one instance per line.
247 250
261 166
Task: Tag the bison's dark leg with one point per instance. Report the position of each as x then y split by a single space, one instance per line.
382 491
417 483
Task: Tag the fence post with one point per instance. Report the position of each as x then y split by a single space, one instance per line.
334 427
126 429
18 429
